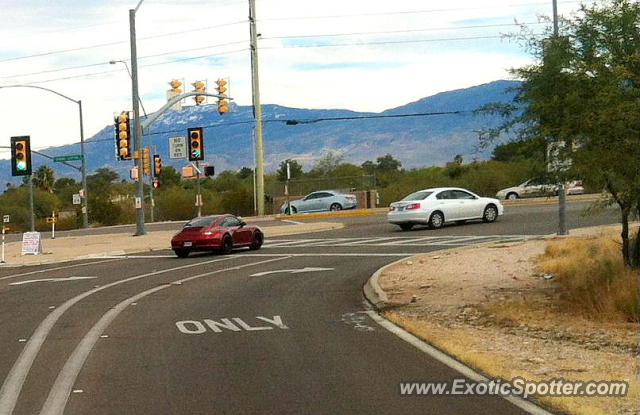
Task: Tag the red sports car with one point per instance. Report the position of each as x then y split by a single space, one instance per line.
220 233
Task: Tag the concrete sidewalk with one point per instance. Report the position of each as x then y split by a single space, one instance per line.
81 247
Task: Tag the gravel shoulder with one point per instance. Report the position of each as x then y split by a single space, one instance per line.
487 307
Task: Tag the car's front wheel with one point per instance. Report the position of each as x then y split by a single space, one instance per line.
436 220
181 253
490 214
258 239
293 210
335 207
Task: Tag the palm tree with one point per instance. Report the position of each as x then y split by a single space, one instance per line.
44 178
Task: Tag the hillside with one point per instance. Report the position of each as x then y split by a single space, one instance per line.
415 141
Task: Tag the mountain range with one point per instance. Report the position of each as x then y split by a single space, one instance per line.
416 141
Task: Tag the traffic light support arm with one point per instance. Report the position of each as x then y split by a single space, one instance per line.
50 158
153 117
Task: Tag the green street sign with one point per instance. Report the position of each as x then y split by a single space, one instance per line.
68 158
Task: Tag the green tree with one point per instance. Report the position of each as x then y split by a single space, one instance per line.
44 178
169 176
387 163
245 172
295 169
327 164
582 96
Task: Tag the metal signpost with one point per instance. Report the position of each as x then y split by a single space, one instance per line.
5 220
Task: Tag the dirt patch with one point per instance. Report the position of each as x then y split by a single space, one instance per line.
488 307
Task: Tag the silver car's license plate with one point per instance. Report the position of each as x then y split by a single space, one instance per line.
188 244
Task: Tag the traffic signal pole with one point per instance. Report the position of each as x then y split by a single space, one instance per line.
138 127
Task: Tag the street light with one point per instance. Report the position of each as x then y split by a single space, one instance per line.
83 165
126 65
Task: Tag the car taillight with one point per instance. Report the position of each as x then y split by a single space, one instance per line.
578 184
412 206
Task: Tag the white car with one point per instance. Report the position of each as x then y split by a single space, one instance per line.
532 188
437 206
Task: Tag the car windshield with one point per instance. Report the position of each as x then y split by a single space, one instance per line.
200 222
421 195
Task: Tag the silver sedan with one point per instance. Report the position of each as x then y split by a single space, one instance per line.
321 200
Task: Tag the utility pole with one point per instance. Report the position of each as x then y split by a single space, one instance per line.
151 181
562 190
198 193
257 108
83 167
138 127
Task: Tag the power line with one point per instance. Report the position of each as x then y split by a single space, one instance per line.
388 42
340 16
100 45
402 31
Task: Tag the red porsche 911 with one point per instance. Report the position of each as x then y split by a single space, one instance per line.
220 233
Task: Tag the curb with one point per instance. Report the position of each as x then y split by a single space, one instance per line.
334 214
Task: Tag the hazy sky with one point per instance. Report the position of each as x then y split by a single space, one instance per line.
366 55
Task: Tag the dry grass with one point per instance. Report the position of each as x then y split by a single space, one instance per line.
498 354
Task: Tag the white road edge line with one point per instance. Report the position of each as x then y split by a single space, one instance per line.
295 222
451 362
109 259
59 393
12 385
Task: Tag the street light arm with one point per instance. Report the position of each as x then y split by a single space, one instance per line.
138 6
44 89
153 117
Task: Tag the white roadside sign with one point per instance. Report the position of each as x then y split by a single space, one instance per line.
178 147
76 199
31 243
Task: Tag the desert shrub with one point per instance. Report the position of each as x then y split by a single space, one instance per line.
592 278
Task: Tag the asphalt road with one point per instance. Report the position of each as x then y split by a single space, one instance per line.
239 334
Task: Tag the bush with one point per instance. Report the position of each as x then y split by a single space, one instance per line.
592 277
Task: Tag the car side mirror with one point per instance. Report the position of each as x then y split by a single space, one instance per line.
242 223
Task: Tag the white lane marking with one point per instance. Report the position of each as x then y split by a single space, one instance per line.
15 379
295 222
59 393
451 362
406 241
196 327
375 254
52 280
366 240
292 271
108 259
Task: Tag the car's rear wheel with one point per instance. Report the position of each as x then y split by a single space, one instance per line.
512 196
227 245
335 207
406 226
436 220
181 253
490 214
293 210
258 239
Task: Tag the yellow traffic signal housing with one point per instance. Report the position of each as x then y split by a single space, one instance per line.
175 86
196 144
123 136
157 165
146 161
199 86
21 156
222 104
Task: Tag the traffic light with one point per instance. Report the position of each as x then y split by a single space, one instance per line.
146 161
157 165
123 136
199 86
175 87
209 171
196 144
21 156
223 104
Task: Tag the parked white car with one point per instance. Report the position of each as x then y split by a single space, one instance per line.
532 188
437 206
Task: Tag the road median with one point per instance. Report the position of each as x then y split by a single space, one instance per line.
90 246
491 307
